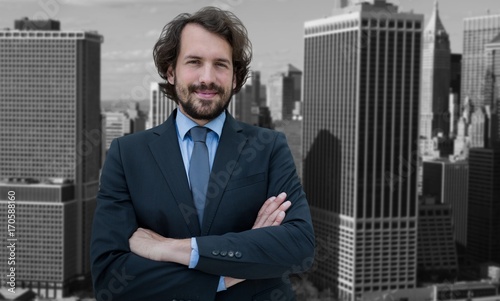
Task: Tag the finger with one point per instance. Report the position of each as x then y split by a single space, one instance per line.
285 206
269 207
272 218
274 204
278 215
262 215
279 218
265 205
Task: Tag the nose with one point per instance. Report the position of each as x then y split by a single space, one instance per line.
207 75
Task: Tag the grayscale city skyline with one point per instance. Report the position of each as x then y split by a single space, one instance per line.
391 109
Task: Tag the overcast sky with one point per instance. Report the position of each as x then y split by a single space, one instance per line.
131 27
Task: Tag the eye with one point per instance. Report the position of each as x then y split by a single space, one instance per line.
193 62
221 64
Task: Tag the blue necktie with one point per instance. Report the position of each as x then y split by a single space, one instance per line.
199 169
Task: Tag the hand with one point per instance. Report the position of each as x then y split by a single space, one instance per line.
272 213
149 244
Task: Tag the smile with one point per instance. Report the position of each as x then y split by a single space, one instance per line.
206 94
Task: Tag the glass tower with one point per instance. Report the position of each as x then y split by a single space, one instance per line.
360 139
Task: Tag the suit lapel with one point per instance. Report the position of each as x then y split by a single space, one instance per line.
229 149
166 151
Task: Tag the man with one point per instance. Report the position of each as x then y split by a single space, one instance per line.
162 230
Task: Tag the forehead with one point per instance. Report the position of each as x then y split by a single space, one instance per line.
198 41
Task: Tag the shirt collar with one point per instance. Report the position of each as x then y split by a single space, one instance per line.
184 124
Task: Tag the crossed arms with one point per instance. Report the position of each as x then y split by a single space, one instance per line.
132 262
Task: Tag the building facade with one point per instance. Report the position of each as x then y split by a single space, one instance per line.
160 106
478 31
117 124
50 128
249 104
437 254
434 98
448 181
47 217
492 91
283 92
360 146
483 239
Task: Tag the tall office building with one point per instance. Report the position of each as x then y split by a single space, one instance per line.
247 101
160 106
492 94
435 84
478 31
249 105
116 124
360 143
437 254
483 239
50 128
283 91
447 181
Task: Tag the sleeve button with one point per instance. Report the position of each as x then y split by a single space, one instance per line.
230 253
215 252
238 254
223 253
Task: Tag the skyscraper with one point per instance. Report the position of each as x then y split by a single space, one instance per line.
483 236
437 254
492 89
478 31
160 106
360 137
434 115
283 91
50 128
448 181
116 124
249 105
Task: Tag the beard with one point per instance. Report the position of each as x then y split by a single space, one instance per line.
202 109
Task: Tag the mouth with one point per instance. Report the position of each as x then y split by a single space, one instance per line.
206 94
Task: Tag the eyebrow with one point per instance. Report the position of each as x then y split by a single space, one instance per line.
190 57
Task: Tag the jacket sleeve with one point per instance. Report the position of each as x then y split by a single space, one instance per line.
272 251
119 274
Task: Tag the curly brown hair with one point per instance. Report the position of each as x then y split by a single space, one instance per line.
220 22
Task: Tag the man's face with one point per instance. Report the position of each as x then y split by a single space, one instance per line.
203 76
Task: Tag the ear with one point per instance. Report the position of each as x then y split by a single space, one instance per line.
234 81
171 75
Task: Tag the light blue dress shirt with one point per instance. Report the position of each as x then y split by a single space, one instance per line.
184 125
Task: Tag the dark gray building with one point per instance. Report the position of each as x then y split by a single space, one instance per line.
361 97
50 133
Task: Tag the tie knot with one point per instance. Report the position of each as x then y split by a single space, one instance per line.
199 134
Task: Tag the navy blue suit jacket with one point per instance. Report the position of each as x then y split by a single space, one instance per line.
144 184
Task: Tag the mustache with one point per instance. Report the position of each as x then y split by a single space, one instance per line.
203 87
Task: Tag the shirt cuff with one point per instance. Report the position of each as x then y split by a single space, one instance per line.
195 255
193 261
222 284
